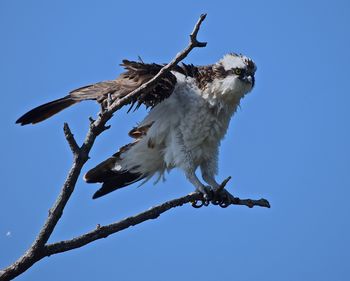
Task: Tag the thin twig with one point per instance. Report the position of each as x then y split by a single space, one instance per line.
70 139
193 35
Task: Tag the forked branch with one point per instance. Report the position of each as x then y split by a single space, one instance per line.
40 248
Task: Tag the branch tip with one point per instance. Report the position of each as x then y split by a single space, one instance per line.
70 139
193 35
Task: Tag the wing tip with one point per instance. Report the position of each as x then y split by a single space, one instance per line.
97 194
23 120
87 178
20 122
45 111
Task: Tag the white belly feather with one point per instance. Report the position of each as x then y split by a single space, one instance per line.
186 130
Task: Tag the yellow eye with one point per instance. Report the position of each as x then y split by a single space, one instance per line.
238 71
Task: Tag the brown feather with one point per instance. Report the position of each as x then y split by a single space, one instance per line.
111 178
136 74
107 173
45 111
139 132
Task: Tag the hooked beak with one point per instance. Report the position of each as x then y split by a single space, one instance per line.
250 79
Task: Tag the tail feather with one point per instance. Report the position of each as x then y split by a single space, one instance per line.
112 175
117 181
45 111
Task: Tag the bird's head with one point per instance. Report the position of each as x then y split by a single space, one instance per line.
235 76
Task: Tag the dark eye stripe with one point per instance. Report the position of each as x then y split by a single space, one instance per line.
242 71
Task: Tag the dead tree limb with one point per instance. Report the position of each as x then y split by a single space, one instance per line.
40 249
152 213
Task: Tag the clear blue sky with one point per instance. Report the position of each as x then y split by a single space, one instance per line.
290 142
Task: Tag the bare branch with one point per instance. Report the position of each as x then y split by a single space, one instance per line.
41 249
70 139
193 35
152 213
104 231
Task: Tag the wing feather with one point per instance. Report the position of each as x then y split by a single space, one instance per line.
136 74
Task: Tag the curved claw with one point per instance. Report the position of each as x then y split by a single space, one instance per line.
224 204
195 204
219 197
222 198
215 202
206 203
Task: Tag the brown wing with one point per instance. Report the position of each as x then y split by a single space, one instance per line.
139 73
98 91
136 74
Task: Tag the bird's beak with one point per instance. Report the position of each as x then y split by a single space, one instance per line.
250 79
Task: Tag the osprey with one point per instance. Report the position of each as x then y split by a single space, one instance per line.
191 108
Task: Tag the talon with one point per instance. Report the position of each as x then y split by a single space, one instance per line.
222 198
207 197
224 204
215 202
207 192
195 204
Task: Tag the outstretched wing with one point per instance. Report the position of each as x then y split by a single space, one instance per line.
136 74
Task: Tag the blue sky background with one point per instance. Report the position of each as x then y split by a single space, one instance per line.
289 142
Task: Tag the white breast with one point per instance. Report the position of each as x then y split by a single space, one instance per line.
186 125
197 125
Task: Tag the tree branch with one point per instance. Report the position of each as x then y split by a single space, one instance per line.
70 139
152 213
40 249
35 252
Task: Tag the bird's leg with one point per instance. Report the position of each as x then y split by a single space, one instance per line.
220 195
210 179
209 169
205 190
189 168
